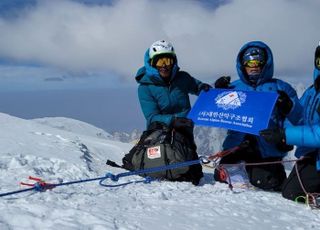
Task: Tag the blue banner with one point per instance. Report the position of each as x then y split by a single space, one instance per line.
244 111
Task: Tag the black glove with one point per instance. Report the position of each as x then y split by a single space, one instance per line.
284 103
244 144
249 143
205 87
273 136
276 136
222 82
182 122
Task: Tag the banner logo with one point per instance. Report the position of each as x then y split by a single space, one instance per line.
230 100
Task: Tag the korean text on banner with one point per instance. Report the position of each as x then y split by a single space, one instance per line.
244 111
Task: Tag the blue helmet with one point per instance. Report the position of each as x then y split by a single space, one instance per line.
254 53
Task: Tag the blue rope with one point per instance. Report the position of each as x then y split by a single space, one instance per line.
146 180
37 187
41 188
146 171
15 192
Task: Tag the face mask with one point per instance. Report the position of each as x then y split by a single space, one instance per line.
253 73
253 78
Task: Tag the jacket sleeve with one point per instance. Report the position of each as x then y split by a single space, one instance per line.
296 114
150 108
307 136
194 85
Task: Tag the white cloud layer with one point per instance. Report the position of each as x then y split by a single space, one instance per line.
78 37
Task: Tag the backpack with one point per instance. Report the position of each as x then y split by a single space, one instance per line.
159 146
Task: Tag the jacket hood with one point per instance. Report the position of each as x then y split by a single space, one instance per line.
267 71
150 75
316 71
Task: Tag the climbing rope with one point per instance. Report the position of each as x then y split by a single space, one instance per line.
311 199
41 186
222 168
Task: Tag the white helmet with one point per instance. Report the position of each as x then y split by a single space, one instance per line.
161 47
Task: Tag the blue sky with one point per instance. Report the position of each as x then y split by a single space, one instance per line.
99 44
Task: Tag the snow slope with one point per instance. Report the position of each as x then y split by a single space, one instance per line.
75 126
29 147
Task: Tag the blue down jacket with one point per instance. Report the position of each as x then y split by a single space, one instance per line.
163 102
265 83
307 135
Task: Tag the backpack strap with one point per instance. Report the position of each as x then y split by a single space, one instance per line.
113 164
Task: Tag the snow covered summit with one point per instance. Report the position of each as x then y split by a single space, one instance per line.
44 148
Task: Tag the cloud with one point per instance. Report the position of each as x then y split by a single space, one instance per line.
79 37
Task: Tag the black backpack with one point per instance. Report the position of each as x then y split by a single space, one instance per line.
160 146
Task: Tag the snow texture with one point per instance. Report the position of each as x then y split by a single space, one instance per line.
59 150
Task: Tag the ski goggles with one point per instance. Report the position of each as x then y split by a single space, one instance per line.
253 63
164 61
